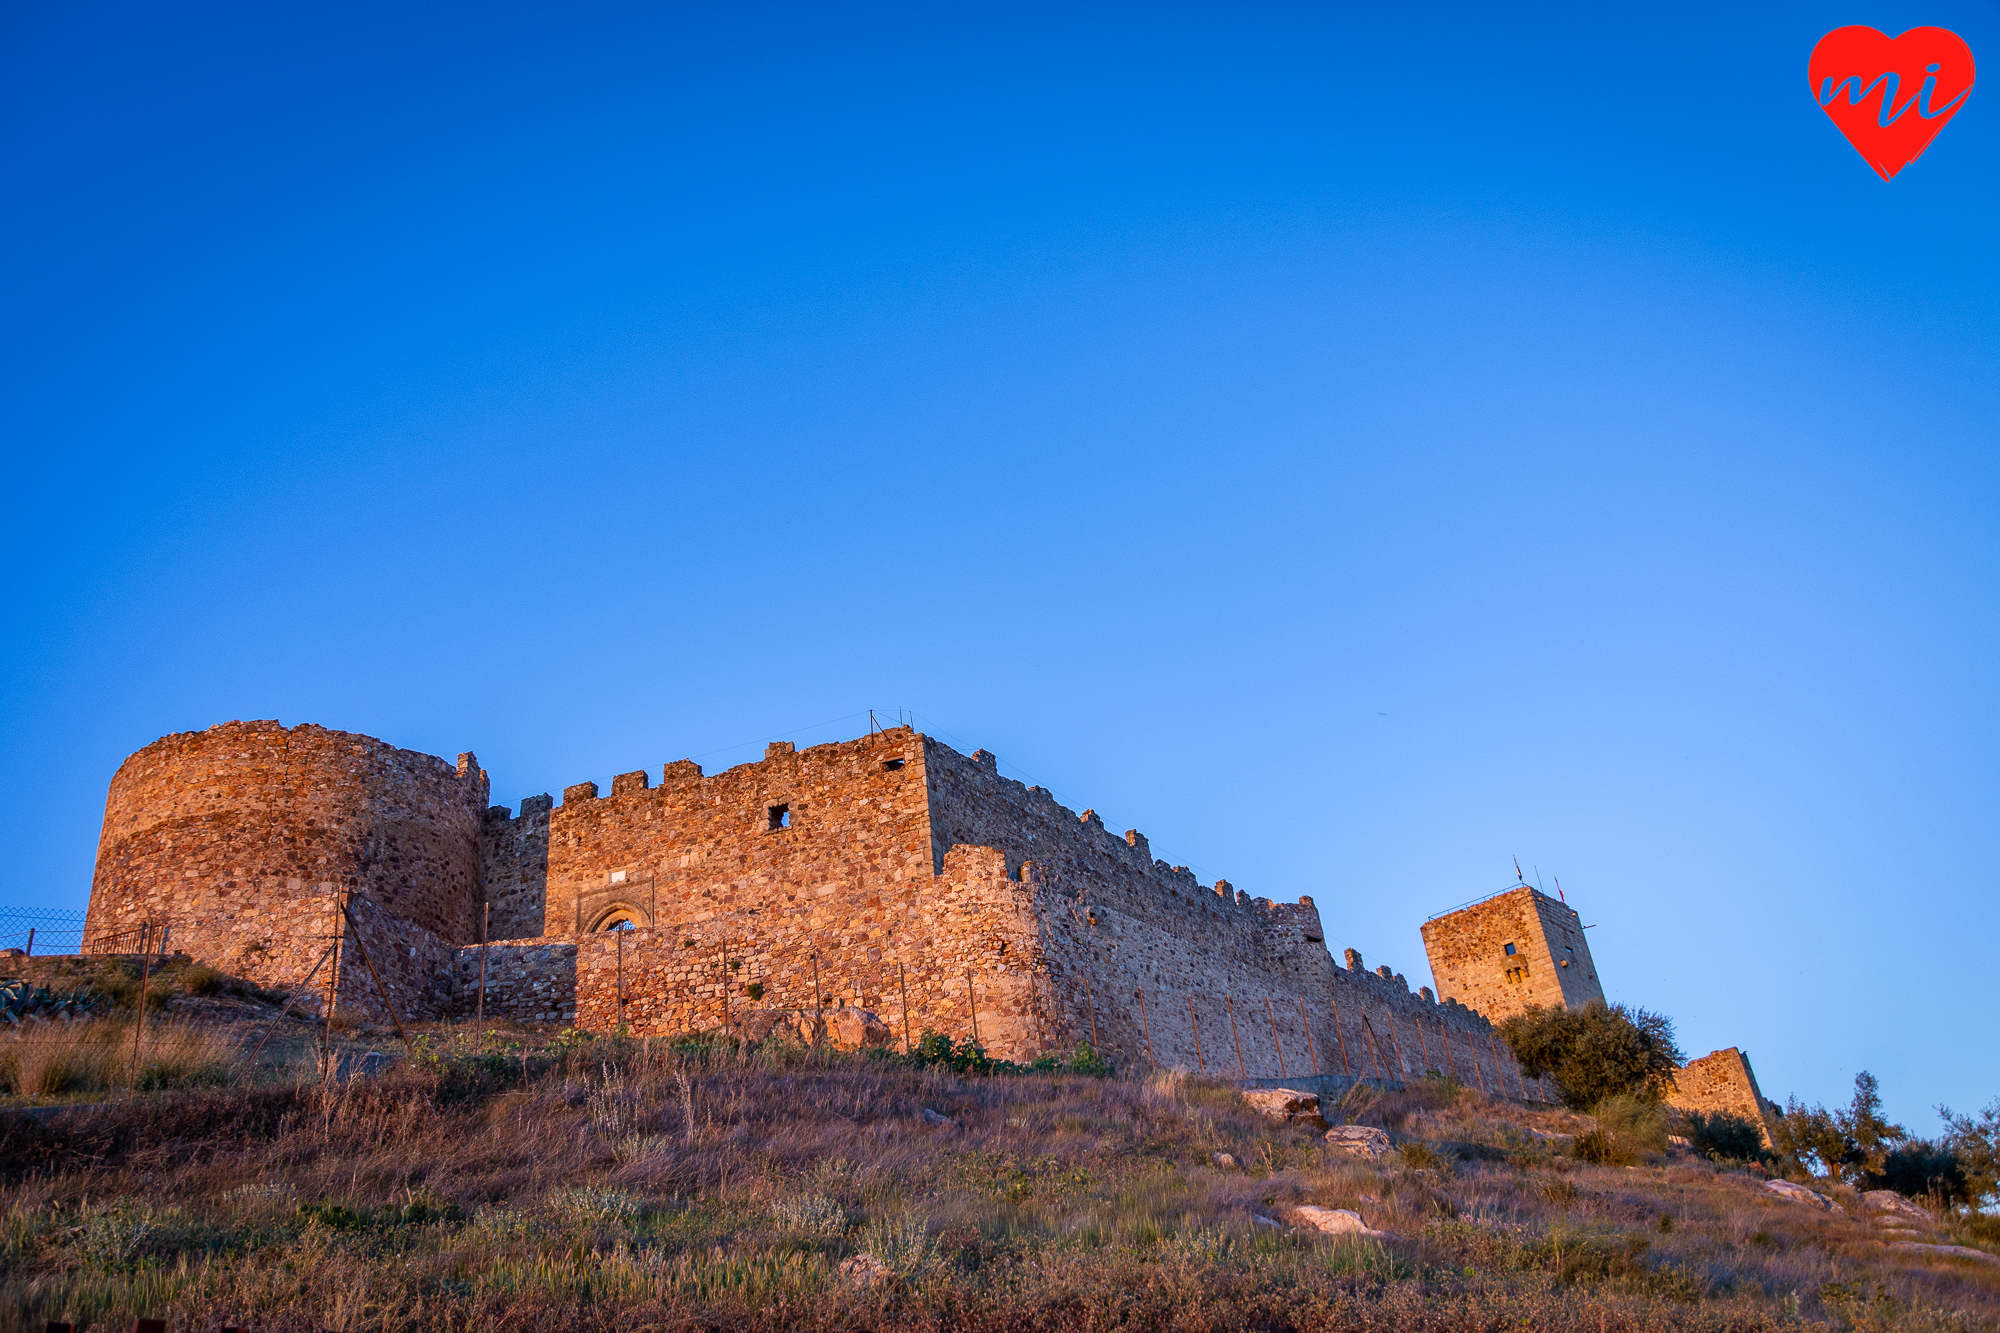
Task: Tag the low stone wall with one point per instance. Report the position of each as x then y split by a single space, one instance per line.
1722 1081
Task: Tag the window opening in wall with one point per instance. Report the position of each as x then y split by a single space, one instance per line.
891 765
1510 951
619 921
781 817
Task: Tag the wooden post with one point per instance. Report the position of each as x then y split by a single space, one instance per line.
1381 1065
1272 1014
972 1004
332 994
724 955
290 998
619 931
369 963
1500 1067
1312 1047
819 1007
138 1028
1200 1068
1346 1065
1095 1052
1230 1000
1444 1035
1477 1072
901 981
1402 1065
485 929
1423 1046
31 943
1151 1063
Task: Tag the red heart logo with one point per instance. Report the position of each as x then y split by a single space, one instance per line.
1890 97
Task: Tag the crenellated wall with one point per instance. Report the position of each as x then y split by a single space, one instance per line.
242 837
514 868
887 873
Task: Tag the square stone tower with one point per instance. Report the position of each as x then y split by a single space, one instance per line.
1510 951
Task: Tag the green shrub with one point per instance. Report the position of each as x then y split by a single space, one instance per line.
1922 1170
1722 1137
1636 1123
1596 1052
1601 1149
201 979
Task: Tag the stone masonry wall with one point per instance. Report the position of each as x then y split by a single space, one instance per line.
241 836
1550 966
905 867
1723 1081
850 826
514 868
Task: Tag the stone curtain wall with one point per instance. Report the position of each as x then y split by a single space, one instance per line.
1048 931
1723 1081
415 967
1469 961
241 835
854 827
514 869
529 981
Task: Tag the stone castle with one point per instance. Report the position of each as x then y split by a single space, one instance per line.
888 878
888 874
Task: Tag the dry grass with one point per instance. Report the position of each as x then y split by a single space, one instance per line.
606 1185
48 1060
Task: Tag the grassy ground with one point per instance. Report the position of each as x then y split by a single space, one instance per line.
505 1180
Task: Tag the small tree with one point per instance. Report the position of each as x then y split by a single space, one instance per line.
1845 1145
1922 1170
1975 1142
1597 1051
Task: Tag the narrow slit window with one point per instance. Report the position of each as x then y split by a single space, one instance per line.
1510 951
781 817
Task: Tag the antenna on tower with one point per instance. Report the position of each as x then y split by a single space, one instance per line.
1538 878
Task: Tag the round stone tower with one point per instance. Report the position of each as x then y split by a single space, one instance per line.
238 837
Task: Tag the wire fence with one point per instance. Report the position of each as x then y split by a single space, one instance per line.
33 933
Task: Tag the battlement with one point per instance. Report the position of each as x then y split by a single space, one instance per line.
888 864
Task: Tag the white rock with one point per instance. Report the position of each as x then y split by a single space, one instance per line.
1785 1189
1287 1104
1224 1160
935 1120
865 1270
1949 1251
1335 1221
1890 1204
1359 1141
1259 1220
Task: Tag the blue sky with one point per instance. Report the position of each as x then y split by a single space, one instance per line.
1353 448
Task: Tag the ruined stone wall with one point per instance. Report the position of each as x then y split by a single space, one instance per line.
514 868
1550 965
1723 1082
242 835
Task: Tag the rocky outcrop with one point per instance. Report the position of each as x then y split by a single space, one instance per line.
1334 1221
1359 1141
1286 1104
1785 1189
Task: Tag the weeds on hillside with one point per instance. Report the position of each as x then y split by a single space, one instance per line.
607 1183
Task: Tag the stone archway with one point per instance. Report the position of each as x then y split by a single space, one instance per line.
617 915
